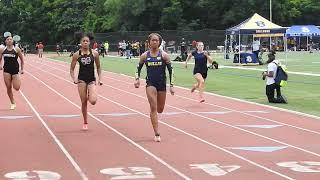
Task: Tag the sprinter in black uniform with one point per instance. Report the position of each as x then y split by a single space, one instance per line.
11 70
200 70
156 62
86 79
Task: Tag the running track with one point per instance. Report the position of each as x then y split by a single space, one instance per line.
219 139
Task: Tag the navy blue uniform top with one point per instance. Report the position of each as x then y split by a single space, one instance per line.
10 60
156 68
200 61
86 70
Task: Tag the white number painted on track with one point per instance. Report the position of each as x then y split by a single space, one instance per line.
129 173
215 169
302 166
29 175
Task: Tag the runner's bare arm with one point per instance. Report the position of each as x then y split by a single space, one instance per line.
21 58
97 61
73 65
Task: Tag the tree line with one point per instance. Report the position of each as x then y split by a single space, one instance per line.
57 20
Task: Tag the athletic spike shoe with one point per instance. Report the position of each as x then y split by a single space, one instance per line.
85 127
13 106
193 88
157 138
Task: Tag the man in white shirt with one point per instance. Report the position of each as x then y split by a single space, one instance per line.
270 75
256 47
163 45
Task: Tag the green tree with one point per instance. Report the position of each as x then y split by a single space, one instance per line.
52 21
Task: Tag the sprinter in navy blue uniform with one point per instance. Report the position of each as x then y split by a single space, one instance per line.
11 67
200 70
86 80
156 62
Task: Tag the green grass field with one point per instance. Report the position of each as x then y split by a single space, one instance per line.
302 91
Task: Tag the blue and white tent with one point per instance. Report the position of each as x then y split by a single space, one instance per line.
256 25
303 30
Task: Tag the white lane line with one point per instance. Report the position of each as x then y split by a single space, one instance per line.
62 148
177 129
116 131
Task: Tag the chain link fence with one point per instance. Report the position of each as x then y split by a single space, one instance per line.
213 39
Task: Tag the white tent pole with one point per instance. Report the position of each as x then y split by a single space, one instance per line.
270 8
252 41
285 39
239 47
225 47
307 42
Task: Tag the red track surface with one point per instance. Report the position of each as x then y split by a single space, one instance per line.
120 133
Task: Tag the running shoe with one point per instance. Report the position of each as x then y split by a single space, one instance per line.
13 106
157 138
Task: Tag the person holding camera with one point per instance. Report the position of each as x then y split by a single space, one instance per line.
271 85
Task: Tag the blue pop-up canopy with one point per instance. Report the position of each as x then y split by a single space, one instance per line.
307 30
303 30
